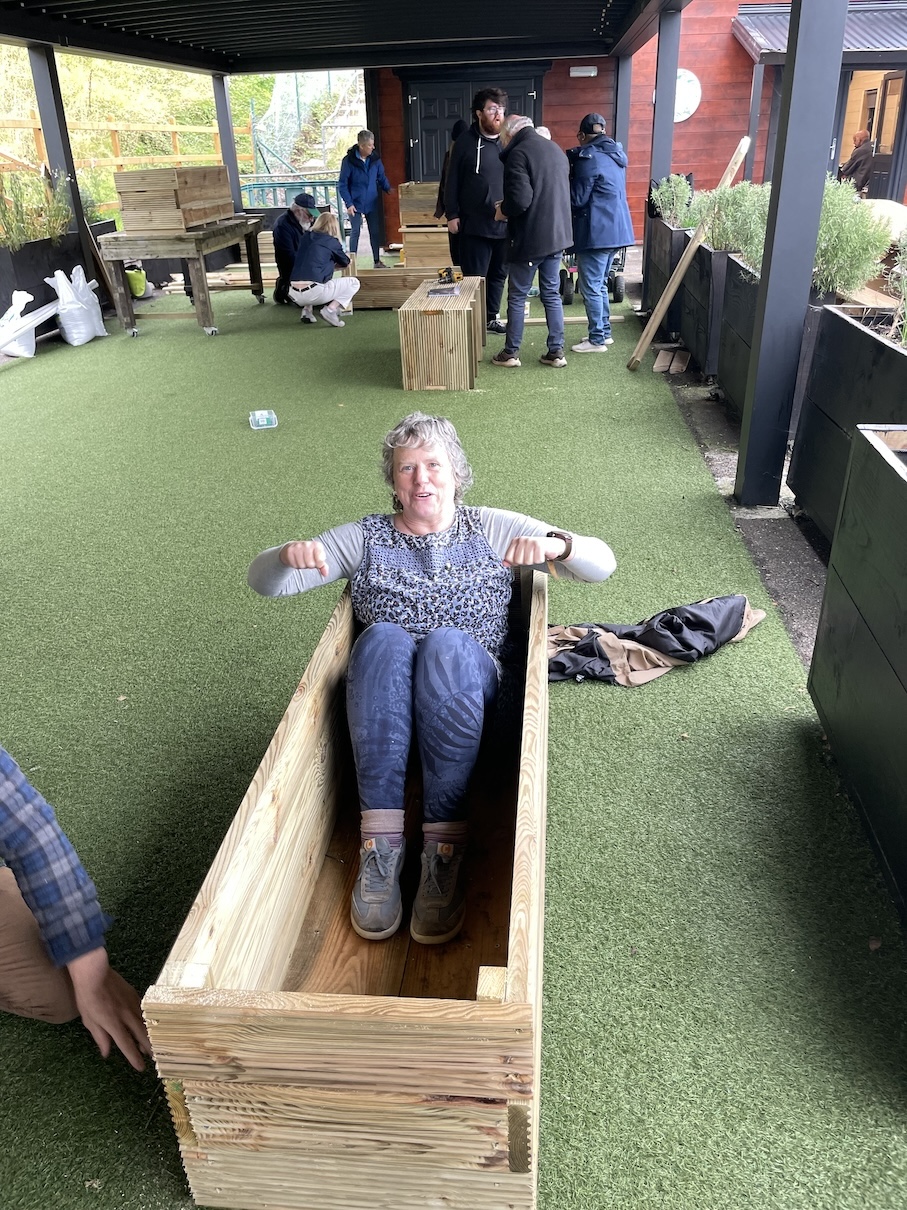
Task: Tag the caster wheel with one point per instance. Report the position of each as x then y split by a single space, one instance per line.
133 331
261 299
618 292
210 331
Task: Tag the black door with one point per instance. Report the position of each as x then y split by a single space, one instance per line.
433 112
435 101
888 136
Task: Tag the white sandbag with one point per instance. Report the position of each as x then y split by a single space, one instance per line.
17 338
79 316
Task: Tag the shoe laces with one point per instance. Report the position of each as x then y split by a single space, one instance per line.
378 868
441 871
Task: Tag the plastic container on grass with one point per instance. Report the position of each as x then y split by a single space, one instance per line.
263 419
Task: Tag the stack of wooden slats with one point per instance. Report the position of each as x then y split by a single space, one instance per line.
172 199
265 248
425 244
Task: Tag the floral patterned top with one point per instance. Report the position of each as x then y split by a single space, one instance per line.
424 581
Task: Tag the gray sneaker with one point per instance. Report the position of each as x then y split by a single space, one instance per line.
440 905
377 907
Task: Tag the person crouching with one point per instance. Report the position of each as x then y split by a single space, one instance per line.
313 281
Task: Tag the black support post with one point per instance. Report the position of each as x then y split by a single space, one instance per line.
811 78
221 86
56 139
621 130
753 129
665 91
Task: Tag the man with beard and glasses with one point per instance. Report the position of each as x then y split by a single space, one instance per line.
475 183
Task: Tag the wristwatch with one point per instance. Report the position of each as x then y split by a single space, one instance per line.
567 539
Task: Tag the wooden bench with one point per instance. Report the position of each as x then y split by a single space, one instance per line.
442 337
309 1069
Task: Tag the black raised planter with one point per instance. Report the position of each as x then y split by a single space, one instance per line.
858 677
701 304
853 376
28 266
664 247
735 337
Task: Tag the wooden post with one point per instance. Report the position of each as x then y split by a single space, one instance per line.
216 133
115 143
683 264
40 145
175 142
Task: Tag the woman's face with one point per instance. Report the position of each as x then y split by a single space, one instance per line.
425 485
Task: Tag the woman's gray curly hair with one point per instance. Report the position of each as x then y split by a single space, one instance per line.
416 430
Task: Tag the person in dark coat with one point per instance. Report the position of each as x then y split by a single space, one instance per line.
361 176
475 184
320 253
288 231
859 167
601 222
536 205
453 240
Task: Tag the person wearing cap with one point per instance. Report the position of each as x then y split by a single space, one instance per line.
288 231
361 176
536 206
601 222
313 282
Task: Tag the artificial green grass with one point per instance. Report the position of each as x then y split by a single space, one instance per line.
719 1034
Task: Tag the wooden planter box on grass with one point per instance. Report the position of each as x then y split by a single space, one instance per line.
701 302
858 677
664 248
308 1069
852 376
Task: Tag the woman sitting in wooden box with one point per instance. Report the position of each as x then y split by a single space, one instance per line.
431 583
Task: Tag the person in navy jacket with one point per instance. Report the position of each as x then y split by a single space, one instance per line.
288 231
313 282
601 222
361 176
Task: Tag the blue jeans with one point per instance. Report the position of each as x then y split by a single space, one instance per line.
593 268
356 227
443 688
521 274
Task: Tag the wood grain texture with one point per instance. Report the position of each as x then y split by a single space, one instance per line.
441 337
286 1091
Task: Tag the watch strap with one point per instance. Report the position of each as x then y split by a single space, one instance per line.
567 539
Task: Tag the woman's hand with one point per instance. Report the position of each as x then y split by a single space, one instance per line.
109 1007
305 556
532 552
351 210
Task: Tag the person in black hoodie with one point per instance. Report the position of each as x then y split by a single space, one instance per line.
320 252
288 231
475 183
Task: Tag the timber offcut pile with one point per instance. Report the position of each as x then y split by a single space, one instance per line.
156 200
425 244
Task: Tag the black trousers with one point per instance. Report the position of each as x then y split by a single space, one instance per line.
481 256
284 275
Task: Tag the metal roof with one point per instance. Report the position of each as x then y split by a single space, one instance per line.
232 36
875 32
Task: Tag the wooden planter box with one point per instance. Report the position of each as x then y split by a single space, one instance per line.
417 204
425 247
308 1069
161 200
664 248
735 337
852 376
28 266
858 678
701 303
441 337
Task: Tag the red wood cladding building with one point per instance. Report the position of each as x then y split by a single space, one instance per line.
712 48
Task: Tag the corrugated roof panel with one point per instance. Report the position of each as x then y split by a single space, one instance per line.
875 29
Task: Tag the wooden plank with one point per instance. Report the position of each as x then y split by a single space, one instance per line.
440 345
662 362
413 1046
679 362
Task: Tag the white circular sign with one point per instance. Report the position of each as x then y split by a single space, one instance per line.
687 96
